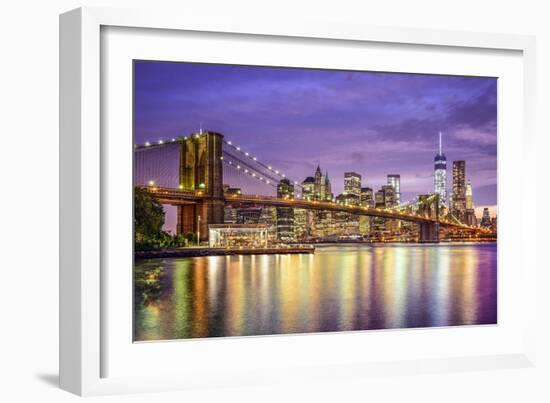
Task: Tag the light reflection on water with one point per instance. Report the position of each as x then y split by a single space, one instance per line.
339 288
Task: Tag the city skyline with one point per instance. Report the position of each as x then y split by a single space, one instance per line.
382 123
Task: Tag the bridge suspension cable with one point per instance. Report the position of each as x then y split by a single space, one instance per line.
250 173
248 168
271 169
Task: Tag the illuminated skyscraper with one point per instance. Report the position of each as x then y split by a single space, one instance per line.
470 212
458 208
319 185
367 197
395 182
322 187
308 188
285 215
440 175
469 196
328 188
486 218
352 184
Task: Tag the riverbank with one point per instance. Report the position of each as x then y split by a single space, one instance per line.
196 252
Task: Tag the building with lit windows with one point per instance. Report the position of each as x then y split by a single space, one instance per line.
237 236
308 188
470 212
285 215
352 184
268 217
469 196
300 224
248 215
389 196
328 188
440 175
486 218
458 206
367 197
394 181
322 187
229 215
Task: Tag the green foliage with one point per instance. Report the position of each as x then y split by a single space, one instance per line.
148 216
148 222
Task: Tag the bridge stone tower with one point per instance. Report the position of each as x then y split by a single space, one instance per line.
201 171
429 208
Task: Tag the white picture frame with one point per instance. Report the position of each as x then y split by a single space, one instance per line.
83 306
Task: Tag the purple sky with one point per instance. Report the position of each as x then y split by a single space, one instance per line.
371 123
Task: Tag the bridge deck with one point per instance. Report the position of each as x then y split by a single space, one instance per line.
183 197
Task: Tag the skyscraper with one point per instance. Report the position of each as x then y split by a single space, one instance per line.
308 188
470 212
319 185
389 196
352 184
440 175
322 186
367 197
395 182
486 218
285 215
328 188
469 196
458 208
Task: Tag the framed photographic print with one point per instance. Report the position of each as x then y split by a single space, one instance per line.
237 198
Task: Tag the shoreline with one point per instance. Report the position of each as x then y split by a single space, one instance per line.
198 252
205 251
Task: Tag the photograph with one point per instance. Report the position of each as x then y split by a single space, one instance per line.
273 200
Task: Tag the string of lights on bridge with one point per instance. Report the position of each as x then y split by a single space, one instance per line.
252 174
268 167
234 147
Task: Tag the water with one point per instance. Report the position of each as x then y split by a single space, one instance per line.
339 288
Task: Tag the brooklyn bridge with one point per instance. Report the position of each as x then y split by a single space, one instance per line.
190 172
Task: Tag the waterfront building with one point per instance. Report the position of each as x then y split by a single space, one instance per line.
440 175
285 215
300 224
364 225
366 200
268 217
382 228
486 218
458 207
346 225
324 224
367 197
352 184
237 236
394 181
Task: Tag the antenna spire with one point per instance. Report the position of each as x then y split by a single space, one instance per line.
200 130
440 143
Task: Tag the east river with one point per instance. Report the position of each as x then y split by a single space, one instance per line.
339 288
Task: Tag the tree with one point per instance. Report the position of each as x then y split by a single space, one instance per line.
148 216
